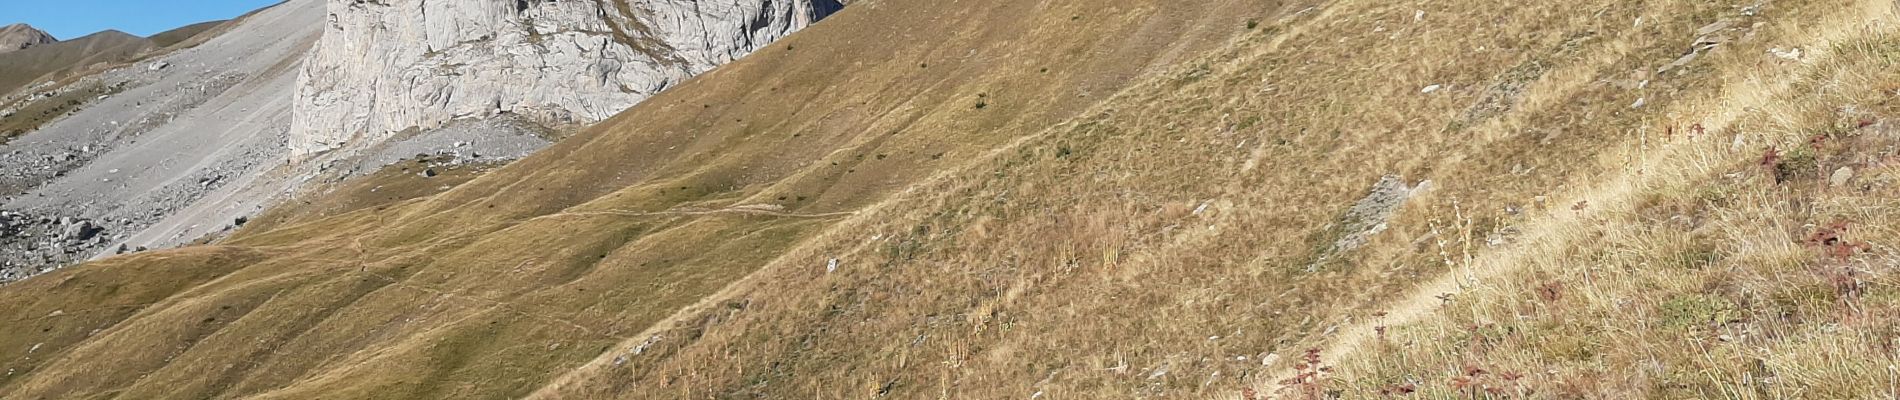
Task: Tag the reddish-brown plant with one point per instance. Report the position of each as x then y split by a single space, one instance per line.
1831 241
1309 381
1550 292
1398 389
1771 158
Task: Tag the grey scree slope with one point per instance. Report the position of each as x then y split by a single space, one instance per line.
306 92
186 123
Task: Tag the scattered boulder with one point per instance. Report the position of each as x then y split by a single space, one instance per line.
1708 37
31 245
1841 177
1369 216
1790 54
80 231
647 344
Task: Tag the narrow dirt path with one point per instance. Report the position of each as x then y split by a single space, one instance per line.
578 375
362 265
677 213
492 304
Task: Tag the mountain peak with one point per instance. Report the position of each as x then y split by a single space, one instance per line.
21 36
113 33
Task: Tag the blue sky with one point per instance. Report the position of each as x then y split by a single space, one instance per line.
67 19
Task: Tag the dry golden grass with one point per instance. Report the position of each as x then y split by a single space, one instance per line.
477 292
1074 264
390 186
1707 269
1131 211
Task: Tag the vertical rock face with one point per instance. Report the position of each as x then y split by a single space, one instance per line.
21 36
387 65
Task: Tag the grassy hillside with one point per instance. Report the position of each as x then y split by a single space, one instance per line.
1072 199
184 34
689 201
57 62
53 60
1748 256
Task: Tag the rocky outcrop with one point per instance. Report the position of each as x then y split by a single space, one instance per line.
180 145
386 66
21 36
1368 217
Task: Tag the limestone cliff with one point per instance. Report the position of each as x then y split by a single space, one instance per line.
387 65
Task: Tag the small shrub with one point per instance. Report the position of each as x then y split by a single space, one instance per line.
1691 311
1795 164
1573 348
1696 256
1249 122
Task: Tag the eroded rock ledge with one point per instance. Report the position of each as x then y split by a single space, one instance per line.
383 66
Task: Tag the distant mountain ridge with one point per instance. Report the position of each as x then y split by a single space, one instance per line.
51 60
29 55
22 36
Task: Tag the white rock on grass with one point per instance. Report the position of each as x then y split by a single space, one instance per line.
1841 177
1792 54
